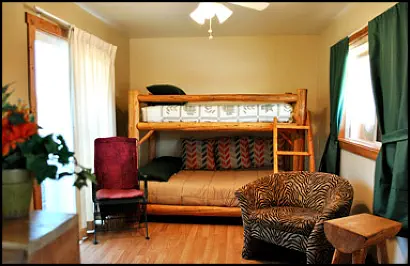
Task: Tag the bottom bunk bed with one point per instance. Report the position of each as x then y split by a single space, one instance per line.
201 193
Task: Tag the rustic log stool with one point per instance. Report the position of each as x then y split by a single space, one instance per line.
353 234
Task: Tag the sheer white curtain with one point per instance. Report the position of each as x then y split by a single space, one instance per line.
93 79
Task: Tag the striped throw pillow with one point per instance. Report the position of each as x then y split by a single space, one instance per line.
198 154
261 153
233 153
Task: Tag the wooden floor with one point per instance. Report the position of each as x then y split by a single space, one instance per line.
169 243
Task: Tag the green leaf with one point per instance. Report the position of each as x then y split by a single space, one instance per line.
4 94
50 144
64 154
8 107
32 146
38 165
17 118
14 160
61 175
90 176
79 183
5 87
82 177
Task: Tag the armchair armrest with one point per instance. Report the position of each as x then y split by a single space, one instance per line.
337 205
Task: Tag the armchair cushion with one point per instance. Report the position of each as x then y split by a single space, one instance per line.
118 193
288 219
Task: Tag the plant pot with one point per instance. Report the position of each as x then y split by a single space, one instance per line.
17 192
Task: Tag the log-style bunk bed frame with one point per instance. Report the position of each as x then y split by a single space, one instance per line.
291 132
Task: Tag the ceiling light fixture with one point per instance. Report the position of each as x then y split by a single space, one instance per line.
208 10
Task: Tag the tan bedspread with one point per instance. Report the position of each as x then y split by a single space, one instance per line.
202 188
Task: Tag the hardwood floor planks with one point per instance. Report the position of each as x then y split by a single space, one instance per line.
169 243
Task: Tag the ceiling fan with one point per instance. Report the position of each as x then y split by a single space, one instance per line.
208 10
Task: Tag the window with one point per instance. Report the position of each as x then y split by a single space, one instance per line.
50 101
359 132
53 94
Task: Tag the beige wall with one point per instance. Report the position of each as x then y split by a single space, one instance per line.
275 64
359 170
14 48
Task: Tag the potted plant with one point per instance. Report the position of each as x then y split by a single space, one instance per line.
27 155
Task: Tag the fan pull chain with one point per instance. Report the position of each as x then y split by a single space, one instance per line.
210 29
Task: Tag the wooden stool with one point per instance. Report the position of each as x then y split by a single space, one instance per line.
353 234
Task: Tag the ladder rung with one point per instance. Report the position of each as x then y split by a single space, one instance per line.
289 126
299 153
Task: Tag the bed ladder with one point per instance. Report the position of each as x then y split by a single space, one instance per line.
278 127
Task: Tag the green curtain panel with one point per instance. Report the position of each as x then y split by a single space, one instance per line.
330 162
388 50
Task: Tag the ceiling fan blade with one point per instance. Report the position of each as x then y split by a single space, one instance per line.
253 5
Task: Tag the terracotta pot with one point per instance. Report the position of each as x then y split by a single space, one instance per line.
17 192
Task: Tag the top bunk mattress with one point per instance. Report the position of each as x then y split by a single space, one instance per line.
218 113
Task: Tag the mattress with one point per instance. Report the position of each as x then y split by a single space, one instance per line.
202 188
218 113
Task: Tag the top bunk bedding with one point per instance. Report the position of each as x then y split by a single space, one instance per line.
264 112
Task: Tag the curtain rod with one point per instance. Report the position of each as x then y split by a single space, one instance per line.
51 16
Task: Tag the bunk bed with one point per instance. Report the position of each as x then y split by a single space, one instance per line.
295 131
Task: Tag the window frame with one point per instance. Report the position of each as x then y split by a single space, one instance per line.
36 23
362 148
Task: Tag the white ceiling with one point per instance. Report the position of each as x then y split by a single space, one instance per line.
171 19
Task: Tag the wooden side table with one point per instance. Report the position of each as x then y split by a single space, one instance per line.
353 234
43 238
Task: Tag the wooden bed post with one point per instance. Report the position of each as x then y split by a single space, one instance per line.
152 147
133 117
275 145
133 114
312 166
300 108
299 140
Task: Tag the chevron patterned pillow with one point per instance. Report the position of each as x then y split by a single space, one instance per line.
261 151
232 153
198 154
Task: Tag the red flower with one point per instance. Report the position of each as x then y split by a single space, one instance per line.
13 134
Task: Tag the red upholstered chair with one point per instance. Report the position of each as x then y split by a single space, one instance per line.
115 166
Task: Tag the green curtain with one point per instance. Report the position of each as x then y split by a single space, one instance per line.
330 162
388 50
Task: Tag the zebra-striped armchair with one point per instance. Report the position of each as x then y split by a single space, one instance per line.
288 209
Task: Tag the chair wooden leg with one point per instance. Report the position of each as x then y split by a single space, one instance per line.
359 256
382 253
